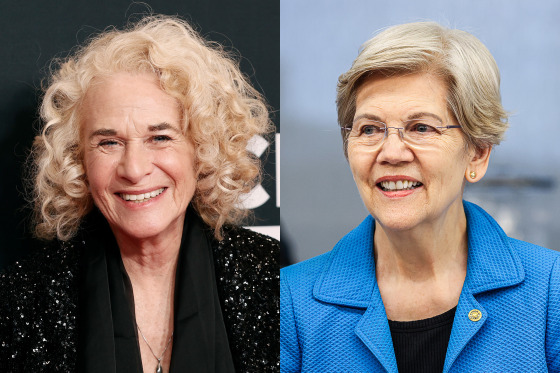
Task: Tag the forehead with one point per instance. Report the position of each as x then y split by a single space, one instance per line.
123 98
397 97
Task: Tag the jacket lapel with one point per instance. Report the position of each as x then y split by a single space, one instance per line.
491 264
349 280
373 330
463 327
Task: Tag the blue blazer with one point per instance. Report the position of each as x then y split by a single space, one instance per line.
333 318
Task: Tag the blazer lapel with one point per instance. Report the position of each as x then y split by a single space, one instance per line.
349 280
491 264
373 330
465 325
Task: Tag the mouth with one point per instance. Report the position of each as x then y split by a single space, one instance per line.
142 197
398 185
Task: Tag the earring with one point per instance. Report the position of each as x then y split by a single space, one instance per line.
472 175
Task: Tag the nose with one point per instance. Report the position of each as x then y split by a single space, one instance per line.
135 163
393 149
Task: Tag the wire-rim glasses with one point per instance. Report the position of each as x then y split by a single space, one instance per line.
416 132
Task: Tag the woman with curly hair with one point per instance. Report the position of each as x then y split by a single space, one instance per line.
138 173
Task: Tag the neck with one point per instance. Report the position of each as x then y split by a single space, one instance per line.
150 260
425 252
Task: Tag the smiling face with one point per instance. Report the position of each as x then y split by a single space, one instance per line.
139 165
405 186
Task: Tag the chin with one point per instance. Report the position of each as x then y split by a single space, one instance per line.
400 220
142 230
396 224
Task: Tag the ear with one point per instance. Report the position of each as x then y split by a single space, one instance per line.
478 164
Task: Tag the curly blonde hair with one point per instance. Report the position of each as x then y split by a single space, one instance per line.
459 58
221 113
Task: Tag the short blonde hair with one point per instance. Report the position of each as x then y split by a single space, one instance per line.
459 58
221 113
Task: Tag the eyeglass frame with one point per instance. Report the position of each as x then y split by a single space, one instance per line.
400 130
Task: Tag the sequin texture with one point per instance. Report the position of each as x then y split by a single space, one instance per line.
249 290
39 305
38 312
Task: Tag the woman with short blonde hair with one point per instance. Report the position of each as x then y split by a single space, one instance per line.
427 282
456 56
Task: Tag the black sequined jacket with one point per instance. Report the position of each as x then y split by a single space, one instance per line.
39 305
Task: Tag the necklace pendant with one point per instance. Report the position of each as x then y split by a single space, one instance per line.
159 369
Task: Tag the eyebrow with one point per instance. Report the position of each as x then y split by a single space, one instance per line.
367 116
103 132
152 128
424 115
162 127
410 117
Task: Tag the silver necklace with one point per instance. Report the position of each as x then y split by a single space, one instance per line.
159 368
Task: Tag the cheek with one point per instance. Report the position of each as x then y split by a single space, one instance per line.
453 149
179 165
451 169
360 164
98 169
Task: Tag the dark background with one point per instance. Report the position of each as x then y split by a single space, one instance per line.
33 32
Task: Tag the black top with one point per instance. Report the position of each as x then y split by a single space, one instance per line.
39 307
420 346
108 332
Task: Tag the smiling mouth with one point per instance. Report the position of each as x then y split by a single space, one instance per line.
391 186
143 197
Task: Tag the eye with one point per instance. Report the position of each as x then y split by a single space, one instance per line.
422 128
372 129
107 143
161 138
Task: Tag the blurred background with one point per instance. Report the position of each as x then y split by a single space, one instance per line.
319 41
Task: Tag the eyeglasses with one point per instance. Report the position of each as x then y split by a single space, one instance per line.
415 132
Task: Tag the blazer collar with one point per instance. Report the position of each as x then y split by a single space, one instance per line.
348 278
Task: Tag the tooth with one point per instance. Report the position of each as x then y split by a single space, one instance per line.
391 185
143 196
399 184
406 184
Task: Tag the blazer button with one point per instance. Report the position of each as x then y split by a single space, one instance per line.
475 315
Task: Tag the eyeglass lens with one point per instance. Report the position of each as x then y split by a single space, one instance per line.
417 131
